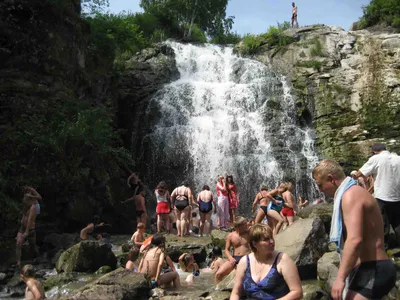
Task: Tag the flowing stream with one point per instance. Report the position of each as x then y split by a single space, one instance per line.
228 115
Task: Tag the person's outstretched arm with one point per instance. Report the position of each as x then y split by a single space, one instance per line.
237 290
33 193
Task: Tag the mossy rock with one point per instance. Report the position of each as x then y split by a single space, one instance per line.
313 291
104 270
87 256
126 247
218 238
317 210
59 280
122 259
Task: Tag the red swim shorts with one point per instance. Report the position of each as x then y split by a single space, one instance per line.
288 212
162 208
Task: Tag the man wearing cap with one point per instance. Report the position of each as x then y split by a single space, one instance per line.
385 168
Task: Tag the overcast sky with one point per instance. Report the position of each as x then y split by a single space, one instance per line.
255 16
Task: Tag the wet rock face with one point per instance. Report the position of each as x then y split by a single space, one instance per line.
87 256
305 242
347 87
119 284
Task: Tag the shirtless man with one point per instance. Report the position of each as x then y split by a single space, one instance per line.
289 205
139 235
206 203
294 15
27 228
363 258
133 182
153 261
140 204
238 240
90 228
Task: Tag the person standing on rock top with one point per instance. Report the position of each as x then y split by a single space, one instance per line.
357 230
294 15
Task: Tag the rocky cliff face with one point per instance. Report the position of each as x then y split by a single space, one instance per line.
347 85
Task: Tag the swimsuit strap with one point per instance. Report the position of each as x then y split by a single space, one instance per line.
275 261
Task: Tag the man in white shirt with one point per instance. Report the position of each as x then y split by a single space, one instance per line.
385 168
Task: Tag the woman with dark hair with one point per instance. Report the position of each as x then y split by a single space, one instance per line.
217 260
223 202
206 202
266 273
153 261
188 264
163 206
181 198
132 263
233 197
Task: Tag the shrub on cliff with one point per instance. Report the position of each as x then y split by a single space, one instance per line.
381 11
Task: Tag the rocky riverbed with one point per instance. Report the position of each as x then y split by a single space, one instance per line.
92 270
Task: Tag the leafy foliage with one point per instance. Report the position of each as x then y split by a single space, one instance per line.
274 37
381 11
208 15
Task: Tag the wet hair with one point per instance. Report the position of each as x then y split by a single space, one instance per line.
28 271
187 258
264 187
96 219
231 179
206 187
194 214
140 225
259 232
133 254
216 252
162 186
326 167
158 240
239 221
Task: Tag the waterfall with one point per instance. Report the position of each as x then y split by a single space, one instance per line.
227 115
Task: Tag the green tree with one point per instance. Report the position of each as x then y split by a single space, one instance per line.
206 14
381 11
94 6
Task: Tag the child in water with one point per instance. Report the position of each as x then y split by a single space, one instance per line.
132 263
34 288
188 264
138 237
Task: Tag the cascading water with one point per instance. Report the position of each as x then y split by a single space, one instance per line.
227 115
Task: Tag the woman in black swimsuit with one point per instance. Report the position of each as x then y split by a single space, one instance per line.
181 198
206 202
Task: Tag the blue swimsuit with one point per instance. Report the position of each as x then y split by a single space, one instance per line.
273 286
277 207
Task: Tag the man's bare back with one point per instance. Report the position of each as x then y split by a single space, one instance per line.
150 262
372 245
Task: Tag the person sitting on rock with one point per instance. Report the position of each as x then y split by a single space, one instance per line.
238 240
34 288
139 236
152 262
91 227
266 273
188 264
132 263
217 260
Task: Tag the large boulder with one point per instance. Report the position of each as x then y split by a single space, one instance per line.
218 237
119 284
323 211
87 256
305 241
176 246
313 291
328 267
